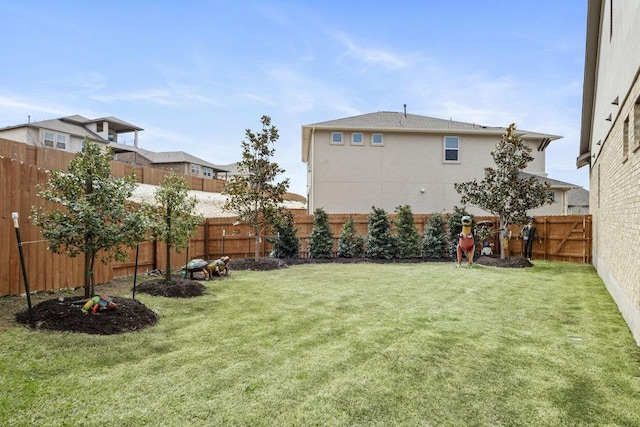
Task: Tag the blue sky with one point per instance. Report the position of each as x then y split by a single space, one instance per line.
196 74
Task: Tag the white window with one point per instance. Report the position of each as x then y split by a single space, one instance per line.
61 142
195 169
48 139
553 195
357 139
377 139
336 138
207 172
451 149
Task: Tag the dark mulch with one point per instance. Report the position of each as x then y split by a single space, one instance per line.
61 315
176 288
262 264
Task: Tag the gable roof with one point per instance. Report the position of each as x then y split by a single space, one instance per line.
76 125
387 121
554 183
165 156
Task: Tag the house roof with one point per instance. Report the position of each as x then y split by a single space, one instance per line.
554 183
166 156
578 197
387 121
76 125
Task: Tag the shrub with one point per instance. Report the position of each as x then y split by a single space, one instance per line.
286 243
408 238
435 242
321 238
380 242
350 244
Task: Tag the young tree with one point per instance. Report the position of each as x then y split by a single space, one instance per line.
94 215
286 243
435 242
173 219
254 194
408 241
380 242
321 238
502 191
350 244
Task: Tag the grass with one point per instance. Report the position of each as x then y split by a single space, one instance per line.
344 344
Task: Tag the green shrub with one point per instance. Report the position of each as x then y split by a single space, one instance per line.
286 243
435 243
321 238
350 244
380 242
408 238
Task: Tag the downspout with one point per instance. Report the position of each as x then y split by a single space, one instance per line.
310 172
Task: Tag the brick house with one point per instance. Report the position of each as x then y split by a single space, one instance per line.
610 148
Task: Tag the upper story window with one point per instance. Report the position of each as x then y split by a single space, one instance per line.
195 169
55 140
451 149
207 172
553 195
336 138
377 139
357 139
61 142
48 139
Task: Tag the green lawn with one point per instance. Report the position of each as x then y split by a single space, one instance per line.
344 344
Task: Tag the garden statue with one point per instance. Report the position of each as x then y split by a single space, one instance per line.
219 267
466 242
195 265
98 302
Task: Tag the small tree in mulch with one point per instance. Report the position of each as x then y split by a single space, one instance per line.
503 191
408 238
321 238
350 244
434 242
94 216
173 219
380 242
286 244
254 194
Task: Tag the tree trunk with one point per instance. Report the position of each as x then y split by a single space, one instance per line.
87 275
167 274
257 244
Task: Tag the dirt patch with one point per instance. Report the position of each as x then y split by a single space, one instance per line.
507 262
61 314
176 288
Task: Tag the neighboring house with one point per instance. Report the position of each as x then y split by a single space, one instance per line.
177 161
610 147
388 159
68 133
578 199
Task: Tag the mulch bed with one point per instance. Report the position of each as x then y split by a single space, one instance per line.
59 314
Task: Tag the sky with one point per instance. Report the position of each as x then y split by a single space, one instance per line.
195 75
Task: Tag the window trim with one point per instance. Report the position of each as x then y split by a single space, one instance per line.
195 169
333 141
445 149
636 125
377 144
353 138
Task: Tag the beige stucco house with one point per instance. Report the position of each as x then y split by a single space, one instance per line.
388 159
610 148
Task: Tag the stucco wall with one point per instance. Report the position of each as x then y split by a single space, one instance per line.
353 178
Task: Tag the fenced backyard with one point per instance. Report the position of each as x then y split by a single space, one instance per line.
564 238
